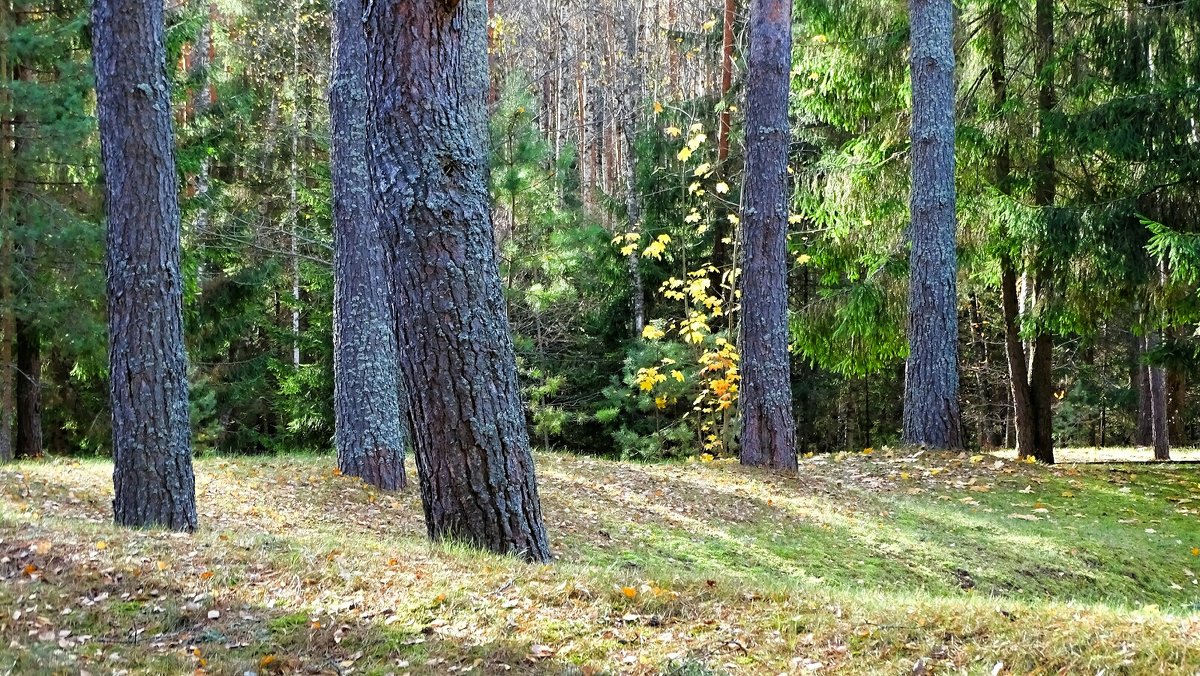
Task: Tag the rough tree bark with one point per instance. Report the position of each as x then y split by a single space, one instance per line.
147 365
427 128
29 390
931 407
765 400
368 428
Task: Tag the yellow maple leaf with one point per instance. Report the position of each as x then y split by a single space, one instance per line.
684 153
721 187
102 545
673 131
629 592
658 107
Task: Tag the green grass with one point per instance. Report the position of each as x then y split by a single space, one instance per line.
860 564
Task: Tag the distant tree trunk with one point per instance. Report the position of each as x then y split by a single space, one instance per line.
765 398
368 428
147 365
428 128
7 328
931 407
722 251
1158 402
1176 401
1045 188
293 213
1020 425
29 391
1159 395
201 97
1139 382
629 124
988 404
724 124
1018 375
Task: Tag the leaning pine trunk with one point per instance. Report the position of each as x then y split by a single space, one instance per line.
931 407
147 365
427 81
765 401
369 432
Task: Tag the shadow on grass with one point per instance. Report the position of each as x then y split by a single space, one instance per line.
68 617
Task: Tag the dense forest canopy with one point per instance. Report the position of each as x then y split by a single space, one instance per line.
712 336
617 146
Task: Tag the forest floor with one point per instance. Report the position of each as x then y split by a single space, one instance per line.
880 562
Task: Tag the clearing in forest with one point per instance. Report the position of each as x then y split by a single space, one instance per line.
880 562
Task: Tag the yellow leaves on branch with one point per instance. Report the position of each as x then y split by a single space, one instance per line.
652 332
698 138
646 379
658 247
628 242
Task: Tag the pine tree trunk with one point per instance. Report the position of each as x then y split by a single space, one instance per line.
1176 401
147 366
629 124
1041 391
293 212
369 431
29 391
722 248
428 128
931 407
1158 402
1045 188
1018 375
201 96
765 398
1139 382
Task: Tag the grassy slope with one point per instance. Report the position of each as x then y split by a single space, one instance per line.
864 564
